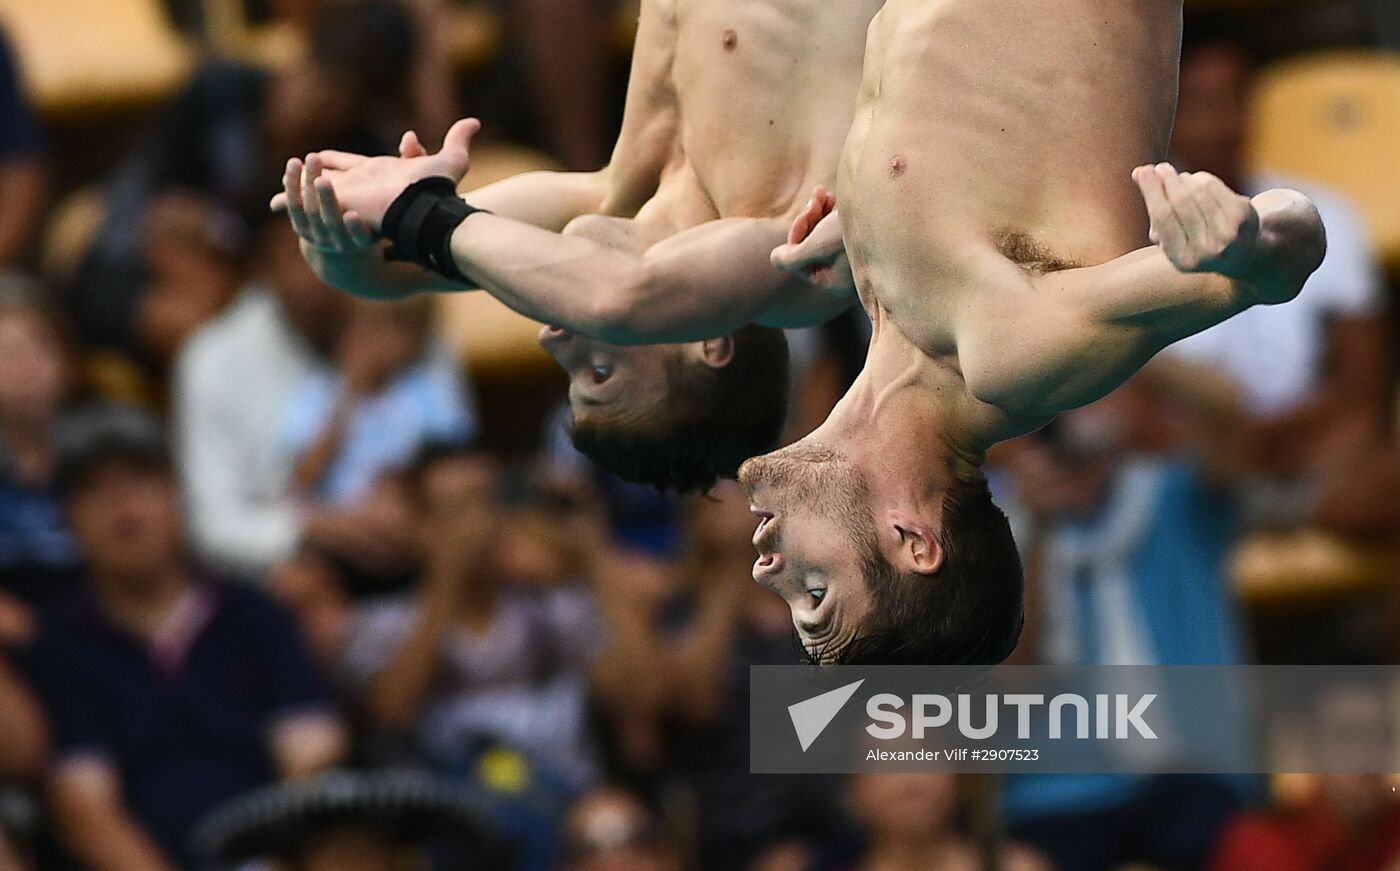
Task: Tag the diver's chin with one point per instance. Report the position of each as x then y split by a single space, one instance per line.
751 475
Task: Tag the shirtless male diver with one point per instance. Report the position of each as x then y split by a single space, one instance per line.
654 272
992 194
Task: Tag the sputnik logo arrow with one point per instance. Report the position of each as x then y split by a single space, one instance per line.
810 718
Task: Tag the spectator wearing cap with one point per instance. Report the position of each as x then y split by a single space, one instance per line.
168 692
343 821
22 177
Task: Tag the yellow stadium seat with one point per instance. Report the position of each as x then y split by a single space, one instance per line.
489 336
1292 567
229 33
1335 118
91 55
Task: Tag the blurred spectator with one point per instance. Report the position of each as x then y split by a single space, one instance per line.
349 849
192 251
38 555
168 692
688 671
227 138
22 178
1128 549
911 823
1130 532
10 857
1315 373
392 392
641 519
471 660
354 821
611 830
1351 822
231 388
23 751
37 551
23 732
566 45
325 579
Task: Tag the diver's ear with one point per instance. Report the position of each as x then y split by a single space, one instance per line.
919 550
716 353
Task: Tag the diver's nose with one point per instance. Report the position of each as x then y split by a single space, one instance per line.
767 568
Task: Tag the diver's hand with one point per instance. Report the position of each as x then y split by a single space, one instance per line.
365 187
1199 223
328 228
816 249
1271 243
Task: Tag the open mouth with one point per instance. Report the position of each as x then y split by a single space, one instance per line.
764 518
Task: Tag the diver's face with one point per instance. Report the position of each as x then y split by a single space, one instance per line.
815 526
603 376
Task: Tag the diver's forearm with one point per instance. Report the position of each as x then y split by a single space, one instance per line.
365 272
563 280
548 200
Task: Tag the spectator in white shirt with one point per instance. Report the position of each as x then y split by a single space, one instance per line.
1314 374
231 387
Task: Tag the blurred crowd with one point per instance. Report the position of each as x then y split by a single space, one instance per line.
251 531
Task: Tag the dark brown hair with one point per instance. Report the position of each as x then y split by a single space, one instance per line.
969 613
713 420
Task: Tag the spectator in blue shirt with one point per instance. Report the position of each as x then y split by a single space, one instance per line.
1129 536
167 692
393 391
22 178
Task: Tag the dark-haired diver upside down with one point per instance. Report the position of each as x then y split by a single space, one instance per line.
992 194
654 271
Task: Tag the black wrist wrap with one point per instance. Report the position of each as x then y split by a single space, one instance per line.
420 222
